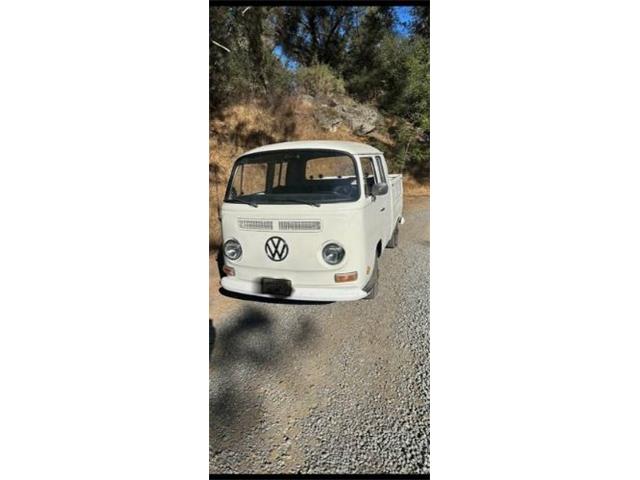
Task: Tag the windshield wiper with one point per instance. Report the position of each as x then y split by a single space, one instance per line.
306 202
247 202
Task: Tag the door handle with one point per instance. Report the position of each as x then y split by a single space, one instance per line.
382 209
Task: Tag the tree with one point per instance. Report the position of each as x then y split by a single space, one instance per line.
420 21
222 31
364 67
311 35
241 63
417 88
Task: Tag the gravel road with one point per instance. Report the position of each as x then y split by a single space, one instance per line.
331 388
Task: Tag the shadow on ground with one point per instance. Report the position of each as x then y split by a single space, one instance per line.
251 298
212 337
247 345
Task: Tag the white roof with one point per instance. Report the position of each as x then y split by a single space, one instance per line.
354 148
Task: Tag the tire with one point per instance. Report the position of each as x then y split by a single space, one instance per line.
374 288
393 243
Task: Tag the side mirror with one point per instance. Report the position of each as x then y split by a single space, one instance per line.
379 189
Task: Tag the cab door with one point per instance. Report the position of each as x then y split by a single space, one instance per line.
377 207
389 222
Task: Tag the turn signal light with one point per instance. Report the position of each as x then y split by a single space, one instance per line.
346 277
229 271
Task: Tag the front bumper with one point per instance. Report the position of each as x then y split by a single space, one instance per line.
313 294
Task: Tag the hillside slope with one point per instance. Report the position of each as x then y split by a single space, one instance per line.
247 125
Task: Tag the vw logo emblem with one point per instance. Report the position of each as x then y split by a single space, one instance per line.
276 248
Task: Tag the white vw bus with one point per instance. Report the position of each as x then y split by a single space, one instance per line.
309 220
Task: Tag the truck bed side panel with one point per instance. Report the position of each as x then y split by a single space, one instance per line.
396 191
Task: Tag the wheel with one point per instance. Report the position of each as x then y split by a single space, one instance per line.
374 287
393 243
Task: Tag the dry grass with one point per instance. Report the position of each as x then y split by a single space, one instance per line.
413 188
248 125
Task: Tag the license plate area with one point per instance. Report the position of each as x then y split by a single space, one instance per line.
276 286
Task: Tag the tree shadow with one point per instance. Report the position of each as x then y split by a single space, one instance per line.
257 138
245 138
288 130
212 337
288 123
247 346
238 133
216 114
216 173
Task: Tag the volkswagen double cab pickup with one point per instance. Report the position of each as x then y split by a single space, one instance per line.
309 221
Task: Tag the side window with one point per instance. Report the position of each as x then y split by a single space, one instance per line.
250 179
381 169
329 167
369 173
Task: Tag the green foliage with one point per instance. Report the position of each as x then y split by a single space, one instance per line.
337 50
365 68
311 35
397 78
249 69
319 80
390 70
410 151
413 104
416 94
221 30
394 53
420 21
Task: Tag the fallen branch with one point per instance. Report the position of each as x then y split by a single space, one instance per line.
221 46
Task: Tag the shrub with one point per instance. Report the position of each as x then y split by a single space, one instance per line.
319 79
417 91
410 152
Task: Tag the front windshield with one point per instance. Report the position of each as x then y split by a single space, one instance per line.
294 176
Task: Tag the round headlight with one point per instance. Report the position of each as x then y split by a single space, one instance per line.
333 253
232 249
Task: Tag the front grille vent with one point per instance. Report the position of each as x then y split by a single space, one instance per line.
252 224
299 225
260 225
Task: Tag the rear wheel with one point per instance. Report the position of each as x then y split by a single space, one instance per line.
374 283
